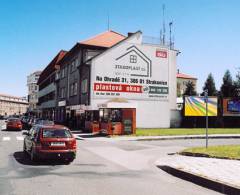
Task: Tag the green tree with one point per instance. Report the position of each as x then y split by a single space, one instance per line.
227 88
210 86
190 89
236 85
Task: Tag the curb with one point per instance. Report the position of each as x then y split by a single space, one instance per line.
170 138
189 137
205 155
202 181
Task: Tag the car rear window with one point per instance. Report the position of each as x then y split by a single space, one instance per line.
56 133
13 120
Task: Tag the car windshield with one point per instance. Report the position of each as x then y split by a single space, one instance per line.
44 122
56 133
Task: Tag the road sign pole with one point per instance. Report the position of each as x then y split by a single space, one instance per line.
206 101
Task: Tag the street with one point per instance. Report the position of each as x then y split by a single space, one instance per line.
122 167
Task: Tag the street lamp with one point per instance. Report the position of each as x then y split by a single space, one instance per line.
206 101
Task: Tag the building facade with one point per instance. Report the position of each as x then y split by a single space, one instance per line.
32 80
11 105
47 88
182 80
111 67
74 75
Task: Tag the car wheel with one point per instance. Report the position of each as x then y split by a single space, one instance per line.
33 156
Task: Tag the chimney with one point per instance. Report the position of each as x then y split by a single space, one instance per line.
130 34
178 71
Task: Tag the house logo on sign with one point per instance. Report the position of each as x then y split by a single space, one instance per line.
135 62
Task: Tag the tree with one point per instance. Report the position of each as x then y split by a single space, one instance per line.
227 88
236 86
210 86
190 89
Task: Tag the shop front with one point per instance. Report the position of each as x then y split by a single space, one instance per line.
118 117
75 116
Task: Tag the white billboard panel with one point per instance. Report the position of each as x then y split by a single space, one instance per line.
131 71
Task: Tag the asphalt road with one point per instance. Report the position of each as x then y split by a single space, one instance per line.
106 168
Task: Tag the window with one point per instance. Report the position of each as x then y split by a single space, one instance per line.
133 59
56 133
85 86
64 72
62 92
73 89
73 65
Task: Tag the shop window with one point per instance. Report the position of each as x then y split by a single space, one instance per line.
116 115
133 59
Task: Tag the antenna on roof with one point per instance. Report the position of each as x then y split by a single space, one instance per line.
164 29
161 41
170 35
108 21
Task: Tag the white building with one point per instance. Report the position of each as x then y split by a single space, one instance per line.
32 80
143 74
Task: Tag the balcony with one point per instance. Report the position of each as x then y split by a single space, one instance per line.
50 88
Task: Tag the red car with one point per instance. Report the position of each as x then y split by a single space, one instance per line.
50 142
14 123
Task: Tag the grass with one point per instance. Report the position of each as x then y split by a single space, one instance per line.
185 131
228 151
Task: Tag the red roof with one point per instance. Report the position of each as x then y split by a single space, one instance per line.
185 76
105 39
52 66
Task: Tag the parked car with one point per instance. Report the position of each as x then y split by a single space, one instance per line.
14 124
50 142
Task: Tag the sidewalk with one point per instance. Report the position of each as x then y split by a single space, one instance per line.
152 138
217 174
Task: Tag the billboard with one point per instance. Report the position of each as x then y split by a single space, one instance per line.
231 107
130 71
196 106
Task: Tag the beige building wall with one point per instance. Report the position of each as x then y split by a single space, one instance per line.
10 105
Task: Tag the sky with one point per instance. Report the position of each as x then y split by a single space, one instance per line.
32 33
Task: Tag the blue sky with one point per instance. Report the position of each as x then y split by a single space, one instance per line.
32 32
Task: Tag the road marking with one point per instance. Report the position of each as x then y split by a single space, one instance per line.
6 138
19 138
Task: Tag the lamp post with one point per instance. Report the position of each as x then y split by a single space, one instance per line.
206 101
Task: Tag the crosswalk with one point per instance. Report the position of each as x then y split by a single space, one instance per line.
7 138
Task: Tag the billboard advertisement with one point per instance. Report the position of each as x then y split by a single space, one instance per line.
131 71
231 107
196 106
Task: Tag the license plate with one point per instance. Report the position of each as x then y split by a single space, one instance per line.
57 143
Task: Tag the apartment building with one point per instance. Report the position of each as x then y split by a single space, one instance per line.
47 87
32 80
